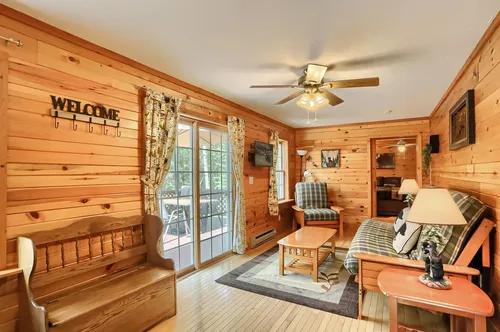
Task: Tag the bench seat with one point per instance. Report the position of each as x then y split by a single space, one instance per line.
98 299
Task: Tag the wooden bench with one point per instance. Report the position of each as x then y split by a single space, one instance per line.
98 274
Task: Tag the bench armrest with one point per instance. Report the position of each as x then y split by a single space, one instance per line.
296 208
414 264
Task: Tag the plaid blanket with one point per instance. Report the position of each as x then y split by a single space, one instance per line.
372 237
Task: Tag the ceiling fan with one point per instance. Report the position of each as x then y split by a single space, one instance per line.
313 89
401 145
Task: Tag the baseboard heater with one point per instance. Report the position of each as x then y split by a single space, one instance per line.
258 239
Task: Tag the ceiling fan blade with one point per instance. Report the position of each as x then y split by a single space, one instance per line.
355 83
410 144
392 146
274 86
315 73
332 99
290 97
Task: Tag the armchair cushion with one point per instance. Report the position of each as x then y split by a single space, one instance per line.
372 237
320 214
311 195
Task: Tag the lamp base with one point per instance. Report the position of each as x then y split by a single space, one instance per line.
426 279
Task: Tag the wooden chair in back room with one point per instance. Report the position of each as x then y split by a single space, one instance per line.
313 207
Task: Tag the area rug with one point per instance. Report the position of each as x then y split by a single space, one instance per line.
335 291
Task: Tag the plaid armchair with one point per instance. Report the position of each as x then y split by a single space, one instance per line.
313 207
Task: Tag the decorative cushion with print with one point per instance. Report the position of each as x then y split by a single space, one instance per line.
407 233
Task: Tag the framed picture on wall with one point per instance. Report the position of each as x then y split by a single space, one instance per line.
330 158
462 123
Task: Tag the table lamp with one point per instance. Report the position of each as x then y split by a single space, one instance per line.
409 187
434 206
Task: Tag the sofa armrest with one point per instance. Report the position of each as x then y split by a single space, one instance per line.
296 208
414 264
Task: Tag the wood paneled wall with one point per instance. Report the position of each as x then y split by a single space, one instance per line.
57 176
348 186
474 169
406 162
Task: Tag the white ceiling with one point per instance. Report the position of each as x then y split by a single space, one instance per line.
224 46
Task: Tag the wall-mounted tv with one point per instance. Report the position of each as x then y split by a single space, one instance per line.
386 160
263 154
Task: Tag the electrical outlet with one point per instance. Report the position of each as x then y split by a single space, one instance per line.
250 179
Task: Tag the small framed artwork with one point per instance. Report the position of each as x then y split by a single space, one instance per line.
462 123
330 158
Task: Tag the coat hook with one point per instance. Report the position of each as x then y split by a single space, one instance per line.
118 133
105 130
91 129
75 126
56 123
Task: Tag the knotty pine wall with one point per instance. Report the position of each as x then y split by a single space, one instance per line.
348 186
57 176
406 162
474 169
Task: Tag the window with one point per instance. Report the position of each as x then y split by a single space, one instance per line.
282 170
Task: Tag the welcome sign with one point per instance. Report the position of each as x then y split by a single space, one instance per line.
76 110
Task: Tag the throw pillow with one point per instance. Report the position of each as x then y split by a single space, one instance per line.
407 233
440 235
401 218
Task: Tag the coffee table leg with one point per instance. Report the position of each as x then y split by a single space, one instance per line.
332 241
315 265
282 260
393 314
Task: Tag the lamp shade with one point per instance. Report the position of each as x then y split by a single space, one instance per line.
435 206
302 153
409 186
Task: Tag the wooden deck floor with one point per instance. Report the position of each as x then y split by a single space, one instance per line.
204 305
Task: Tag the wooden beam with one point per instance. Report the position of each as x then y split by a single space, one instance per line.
4 71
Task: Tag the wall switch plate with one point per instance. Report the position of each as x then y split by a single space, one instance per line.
250 179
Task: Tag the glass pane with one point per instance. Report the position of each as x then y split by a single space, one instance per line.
215 161
216 203
183 159
204 135
224 162
186 256
204 160
217 245
184 184
216 140
206 250
225 142
224 206
217 225
205 206
216 182
183 135
168 186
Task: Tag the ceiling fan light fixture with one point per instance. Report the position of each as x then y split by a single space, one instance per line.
401 148
312 101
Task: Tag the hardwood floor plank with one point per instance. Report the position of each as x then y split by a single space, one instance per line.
204 305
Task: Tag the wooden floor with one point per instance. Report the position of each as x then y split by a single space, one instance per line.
204 305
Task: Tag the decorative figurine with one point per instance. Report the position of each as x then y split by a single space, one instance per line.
434 272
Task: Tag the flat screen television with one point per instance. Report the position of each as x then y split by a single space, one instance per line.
263 154
386 160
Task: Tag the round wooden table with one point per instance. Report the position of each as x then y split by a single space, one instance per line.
464 299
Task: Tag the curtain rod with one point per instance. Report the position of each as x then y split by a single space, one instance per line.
192 117
11 40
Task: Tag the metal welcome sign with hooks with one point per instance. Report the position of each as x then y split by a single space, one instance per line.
92 114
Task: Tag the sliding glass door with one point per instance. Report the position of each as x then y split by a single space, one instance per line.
196 197
215 193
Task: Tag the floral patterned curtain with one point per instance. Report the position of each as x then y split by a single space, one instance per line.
272 201
236 129
161 116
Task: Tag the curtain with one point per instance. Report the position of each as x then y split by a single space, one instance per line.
272 201
236 129
161 116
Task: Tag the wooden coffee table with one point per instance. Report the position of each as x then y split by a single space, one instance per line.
304 246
